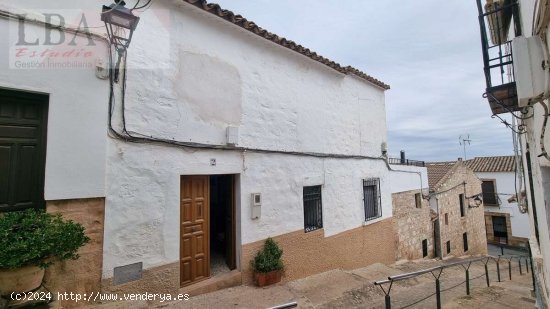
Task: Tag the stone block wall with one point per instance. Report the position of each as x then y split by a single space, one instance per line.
473 221
412 225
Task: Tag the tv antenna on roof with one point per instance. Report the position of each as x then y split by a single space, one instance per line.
462 140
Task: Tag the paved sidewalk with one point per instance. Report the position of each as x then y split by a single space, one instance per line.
355 289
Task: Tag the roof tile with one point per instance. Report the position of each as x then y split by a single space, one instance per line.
492 164
252 27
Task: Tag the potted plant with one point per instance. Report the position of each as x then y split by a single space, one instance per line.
30 241
267 264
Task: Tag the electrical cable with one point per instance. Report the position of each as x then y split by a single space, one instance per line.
135 137
143 6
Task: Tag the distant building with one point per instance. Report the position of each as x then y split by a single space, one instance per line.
505 222
459 227
441 221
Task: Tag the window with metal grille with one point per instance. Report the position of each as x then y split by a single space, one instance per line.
448 246
425 248
465 241
461 200
488 188
418 200
371 198
313 210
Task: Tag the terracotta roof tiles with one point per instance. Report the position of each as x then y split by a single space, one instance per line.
492 164
242 22
438 170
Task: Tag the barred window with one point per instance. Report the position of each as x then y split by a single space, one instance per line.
418 200
425 248
371 198
313 209
461 201
490 197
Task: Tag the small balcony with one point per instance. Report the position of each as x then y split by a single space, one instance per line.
497 18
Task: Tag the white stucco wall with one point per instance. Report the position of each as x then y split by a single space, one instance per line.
190 75
76 130
406 178
505 186
221 75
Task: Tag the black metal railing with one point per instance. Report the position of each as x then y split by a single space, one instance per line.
387 284
313 209
496 19
398 161
490 199
371 198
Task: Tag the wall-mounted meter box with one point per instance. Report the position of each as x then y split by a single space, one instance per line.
256 201
530 68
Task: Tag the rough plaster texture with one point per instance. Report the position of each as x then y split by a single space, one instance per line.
305 254
219 75
412 225
505 183
82 275
76 141
161 279
472 223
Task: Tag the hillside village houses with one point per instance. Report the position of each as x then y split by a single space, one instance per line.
183 149
211 135
517 86
506 222
441 221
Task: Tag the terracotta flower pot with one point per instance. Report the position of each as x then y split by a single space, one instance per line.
20 280
265 279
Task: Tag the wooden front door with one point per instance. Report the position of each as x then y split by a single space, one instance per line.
194 218
23 120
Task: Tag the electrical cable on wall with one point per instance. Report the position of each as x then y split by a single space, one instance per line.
136 137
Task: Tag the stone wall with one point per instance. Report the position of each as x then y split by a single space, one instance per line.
82 275
473 221
412 225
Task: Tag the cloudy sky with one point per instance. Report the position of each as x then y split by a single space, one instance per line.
428 51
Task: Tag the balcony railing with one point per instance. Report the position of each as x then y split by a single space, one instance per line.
496 19
398 161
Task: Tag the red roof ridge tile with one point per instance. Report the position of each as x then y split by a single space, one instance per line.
251 26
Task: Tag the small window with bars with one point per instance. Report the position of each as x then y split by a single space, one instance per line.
418 200
371 198
313 209
490 196
461 201
425 248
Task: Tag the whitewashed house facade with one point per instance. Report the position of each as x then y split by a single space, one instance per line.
268 139
506 222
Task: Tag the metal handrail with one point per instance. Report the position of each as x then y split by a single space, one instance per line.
438 270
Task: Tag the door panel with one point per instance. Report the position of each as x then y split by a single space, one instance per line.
23 122
230 226
194 230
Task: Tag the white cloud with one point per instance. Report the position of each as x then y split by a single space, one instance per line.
428 51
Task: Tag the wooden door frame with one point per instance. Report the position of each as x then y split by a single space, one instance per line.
42 100
234 193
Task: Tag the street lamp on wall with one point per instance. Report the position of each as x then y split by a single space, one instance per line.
120 23
476 199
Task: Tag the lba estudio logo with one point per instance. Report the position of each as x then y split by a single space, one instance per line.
64 41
